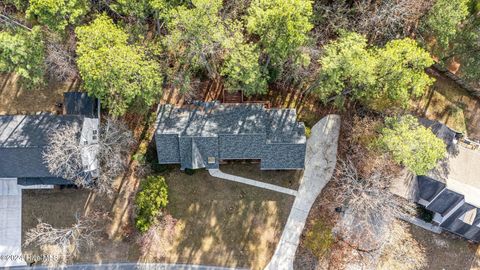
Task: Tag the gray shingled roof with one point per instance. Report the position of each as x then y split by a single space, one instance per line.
22 141
202 134
428 188
280 125
445 201
79 103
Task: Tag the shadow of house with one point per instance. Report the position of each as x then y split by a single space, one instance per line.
23 139
202 135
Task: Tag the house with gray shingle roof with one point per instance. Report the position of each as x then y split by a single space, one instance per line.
202 135
452 190
23 139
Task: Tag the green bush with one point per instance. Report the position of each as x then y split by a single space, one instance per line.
150 201
319 238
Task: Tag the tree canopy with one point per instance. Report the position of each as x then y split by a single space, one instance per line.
114 71
23 53
411 144
57 14
444 19
282 26
381 77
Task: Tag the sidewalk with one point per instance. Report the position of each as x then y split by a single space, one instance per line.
219 174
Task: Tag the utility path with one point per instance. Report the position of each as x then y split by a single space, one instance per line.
320 161
219 174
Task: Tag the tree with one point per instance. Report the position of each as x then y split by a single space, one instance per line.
57 14
64 153
411 144
443 19
379 77
369 207
149 202
195 39
347 64
155 242
63 244
59 60
400 75
24 53
242 70
112 70
282 26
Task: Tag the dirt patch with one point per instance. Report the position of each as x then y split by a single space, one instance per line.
287 178
444 251
451 105
16 100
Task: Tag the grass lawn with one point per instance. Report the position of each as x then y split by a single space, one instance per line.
219 222
450 104
16 100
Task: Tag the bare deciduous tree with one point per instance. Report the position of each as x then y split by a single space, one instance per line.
380 21
369 207
59 59
154 243
62 244
63 155
115 143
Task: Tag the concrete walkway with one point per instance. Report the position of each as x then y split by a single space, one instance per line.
320 161
219 174
11 221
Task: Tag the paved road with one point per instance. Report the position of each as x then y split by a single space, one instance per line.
130 266
320 161
219 174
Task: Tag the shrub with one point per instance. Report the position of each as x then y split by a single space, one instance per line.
319 238
150 201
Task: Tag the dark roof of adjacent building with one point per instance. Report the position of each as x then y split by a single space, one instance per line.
445 201
23 139
455 224
79 103
279 125
428 188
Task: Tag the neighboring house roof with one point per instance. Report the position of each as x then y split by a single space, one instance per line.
428 188
445 201
191 135
79 103
23 139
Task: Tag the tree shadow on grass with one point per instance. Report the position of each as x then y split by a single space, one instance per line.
224 223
